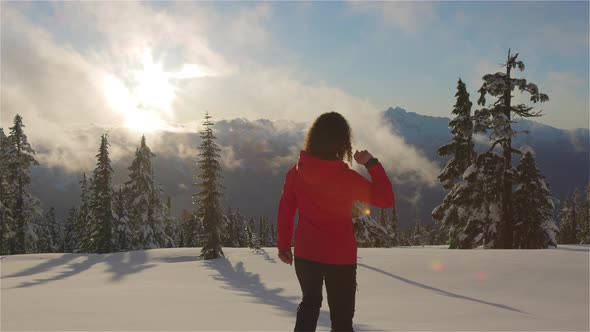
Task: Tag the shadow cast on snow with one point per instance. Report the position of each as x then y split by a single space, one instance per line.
249 284
115 263
441 291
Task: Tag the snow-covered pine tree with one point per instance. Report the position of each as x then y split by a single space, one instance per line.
568 219
367 231
394 230
240 233
84 225
252 239
264 232
566 231
471 211
227 238
273 235
101 200
171 226
50 233
159 216
122 231
191 230
534 226
207 199
42 227
500 85
461 148
70 234
7 230
462 152
24 207
138 192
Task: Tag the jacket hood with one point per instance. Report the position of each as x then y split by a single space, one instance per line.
313 170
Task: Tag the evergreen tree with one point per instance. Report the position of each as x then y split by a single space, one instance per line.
123 235
138 193
101 201
207 199
42 227
70 234
160 216
394 230
499 119
84 225
50 238
25 209
462 152
252 239
461 148
569 217
171 226
471 211
533 207
7 229
367 231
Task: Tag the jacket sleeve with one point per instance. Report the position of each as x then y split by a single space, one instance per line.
286 213
379 192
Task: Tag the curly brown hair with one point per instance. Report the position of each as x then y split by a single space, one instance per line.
329 138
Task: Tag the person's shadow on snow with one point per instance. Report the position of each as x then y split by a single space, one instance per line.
440 291
249 284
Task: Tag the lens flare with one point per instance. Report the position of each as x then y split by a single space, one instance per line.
437 266
482 276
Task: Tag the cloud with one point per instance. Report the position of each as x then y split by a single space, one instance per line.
407 16
57 83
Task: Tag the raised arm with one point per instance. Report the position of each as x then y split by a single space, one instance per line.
286 213
379 191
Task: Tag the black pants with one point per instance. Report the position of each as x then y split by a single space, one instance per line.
341 290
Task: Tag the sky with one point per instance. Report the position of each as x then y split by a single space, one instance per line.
152 66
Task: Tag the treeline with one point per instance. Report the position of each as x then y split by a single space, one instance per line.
130 216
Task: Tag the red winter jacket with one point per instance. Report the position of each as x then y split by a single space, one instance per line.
323 191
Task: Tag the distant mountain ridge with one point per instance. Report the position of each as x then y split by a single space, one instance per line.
262 151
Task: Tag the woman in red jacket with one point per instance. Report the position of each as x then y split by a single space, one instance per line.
323 189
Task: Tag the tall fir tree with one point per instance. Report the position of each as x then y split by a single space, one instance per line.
101 203
50 233
70 234
25 208
171 226
461 148
139 193
499 119
207 199
565 217
84 225
251 237
462 152
533 207
123 235
7 229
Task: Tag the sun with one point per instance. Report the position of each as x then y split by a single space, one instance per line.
145 100
152 86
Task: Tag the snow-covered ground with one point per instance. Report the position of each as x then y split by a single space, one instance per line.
428 288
